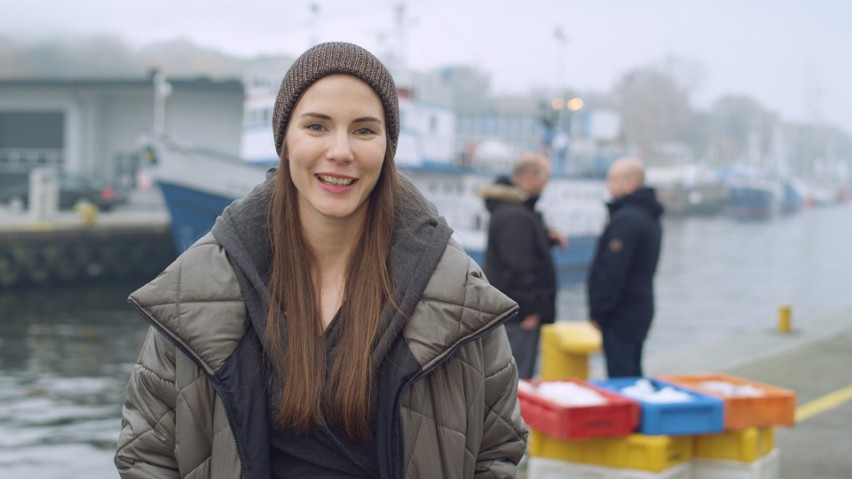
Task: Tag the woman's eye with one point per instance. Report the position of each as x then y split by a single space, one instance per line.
314 127
365 130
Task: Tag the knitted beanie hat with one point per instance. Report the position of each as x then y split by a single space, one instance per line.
328 59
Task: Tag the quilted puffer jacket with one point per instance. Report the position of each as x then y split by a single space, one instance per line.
196 406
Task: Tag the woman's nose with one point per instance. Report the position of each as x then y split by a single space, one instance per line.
340 148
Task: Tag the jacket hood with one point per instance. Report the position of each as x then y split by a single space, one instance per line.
243 231
644 198
419 239
503 191
424 262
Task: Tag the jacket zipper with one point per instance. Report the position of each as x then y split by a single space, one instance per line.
426 372
212 379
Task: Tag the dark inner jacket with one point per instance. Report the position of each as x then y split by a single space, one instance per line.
621 278
419 241
518 260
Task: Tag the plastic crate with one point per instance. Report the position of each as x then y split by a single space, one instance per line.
636 451
618 417
767 467
745 445
541 468
704 414
776 407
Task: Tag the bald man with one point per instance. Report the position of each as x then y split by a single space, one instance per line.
621 278
518 259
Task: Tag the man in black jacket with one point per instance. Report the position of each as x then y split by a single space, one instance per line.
518 261
621 278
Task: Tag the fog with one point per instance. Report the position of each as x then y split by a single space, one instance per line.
784 54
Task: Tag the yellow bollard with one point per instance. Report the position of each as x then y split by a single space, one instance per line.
784 319
565 349
88 211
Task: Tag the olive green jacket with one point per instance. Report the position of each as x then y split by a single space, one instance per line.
190 412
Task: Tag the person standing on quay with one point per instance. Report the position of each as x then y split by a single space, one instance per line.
621 278
328 326
518 260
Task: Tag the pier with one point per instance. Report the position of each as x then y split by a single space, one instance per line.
75 246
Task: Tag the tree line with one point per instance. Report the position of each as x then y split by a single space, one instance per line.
655 101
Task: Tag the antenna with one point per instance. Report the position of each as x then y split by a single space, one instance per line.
312 24
398 49
562 41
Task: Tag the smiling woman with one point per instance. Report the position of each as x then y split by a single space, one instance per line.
335 147
305 339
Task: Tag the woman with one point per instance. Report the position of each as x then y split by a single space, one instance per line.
328 326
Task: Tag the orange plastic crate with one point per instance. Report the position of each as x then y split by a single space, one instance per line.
776 407
618 417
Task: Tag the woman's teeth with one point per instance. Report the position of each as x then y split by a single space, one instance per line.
333 180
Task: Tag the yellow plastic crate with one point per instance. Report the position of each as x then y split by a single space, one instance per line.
636 451
746 445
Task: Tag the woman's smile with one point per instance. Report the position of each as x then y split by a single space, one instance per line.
332 180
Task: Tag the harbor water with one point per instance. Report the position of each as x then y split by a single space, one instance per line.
65 354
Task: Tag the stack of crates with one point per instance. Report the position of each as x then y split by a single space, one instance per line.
712 436
746 447
602 442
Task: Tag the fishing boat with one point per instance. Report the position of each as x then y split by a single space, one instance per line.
753 197
198 183
688 190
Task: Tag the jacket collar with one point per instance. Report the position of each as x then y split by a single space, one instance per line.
207 323
196 302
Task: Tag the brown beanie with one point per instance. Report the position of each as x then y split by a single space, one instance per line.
328 59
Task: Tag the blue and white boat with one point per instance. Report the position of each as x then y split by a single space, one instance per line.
754 197
198 184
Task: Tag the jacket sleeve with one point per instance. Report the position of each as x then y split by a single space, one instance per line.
504 437
612 268
146 444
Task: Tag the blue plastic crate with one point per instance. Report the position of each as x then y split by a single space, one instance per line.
705 414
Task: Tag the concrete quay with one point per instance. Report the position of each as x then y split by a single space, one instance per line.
72 246
812 360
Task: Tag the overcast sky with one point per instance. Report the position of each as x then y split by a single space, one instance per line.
792 56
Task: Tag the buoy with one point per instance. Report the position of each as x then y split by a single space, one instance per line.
115 259
10 268
68 264
37 261
136 255
97 262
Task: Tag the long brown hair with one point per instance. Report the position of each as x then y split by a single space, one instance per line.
299 362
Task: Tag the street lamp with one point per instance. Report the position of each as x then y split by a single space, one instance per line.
162 89
574 104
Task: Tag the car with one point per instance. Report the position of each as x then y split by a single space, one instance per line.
73 189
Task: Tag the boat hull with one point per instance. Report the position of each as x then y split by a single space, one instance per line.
197 188
194 212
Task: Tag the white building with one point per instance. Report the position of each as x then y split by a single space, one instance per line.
92 126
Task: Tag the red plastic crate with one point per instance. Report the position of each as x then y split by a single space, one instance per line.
618 417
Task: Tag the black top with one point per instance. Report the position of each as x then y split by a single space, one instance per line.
621 278
518 260
327 453
420 239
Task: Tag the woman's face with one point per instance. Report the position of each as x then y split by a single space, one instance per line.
336 143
